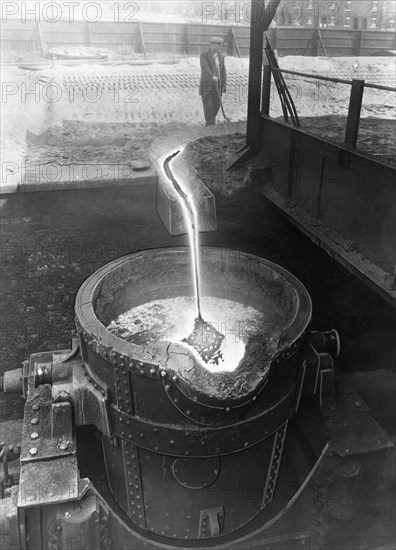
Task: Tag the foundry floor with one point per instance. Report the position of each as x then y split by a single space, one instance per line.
127 106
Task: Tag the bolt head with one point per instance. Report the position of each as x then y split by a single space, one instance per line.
33 451
34 435
34 421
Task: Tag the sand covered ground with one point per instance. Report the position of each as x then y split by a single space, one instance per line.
113 112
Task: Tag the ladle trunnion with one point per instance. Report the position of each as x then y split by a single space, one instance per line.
181 465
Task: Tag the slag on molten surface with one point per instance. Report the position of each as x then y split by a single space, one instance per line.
174 320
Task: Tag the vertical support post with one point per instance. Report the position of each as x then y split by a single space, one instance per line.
322 43
230 40
88 35
355 105
142 43
234 40
259 23
266 91
358 42
187 39
254 91
40 36
274 38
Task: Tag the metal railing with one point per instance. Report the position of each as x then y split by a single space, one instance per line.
355 101
337 80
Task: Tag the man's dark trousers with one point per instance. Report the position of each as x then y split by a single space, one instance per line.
209 88
211 103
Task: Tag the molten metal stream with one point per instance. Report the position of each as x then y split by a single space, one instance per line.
204 338
191 217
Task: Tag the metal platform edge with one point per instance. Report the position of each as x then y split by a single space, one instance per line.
332 243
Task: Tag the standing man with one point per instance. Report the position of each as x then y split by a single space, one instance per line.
213 79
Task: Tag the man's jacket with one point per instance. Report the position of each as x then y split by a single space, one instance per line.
208 71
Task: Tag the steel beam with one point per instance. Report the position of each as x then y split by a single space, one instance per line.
261 17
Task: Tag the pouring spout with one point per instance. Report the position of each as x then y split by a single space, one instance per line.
168 203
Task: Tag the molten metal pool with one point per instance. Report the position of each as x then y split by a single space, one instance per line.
147 302
173 319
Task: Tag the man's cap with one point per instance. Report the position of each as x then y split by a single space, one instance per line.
216 40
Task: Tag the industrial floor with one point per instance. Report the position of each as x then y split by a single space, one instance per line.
53 241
